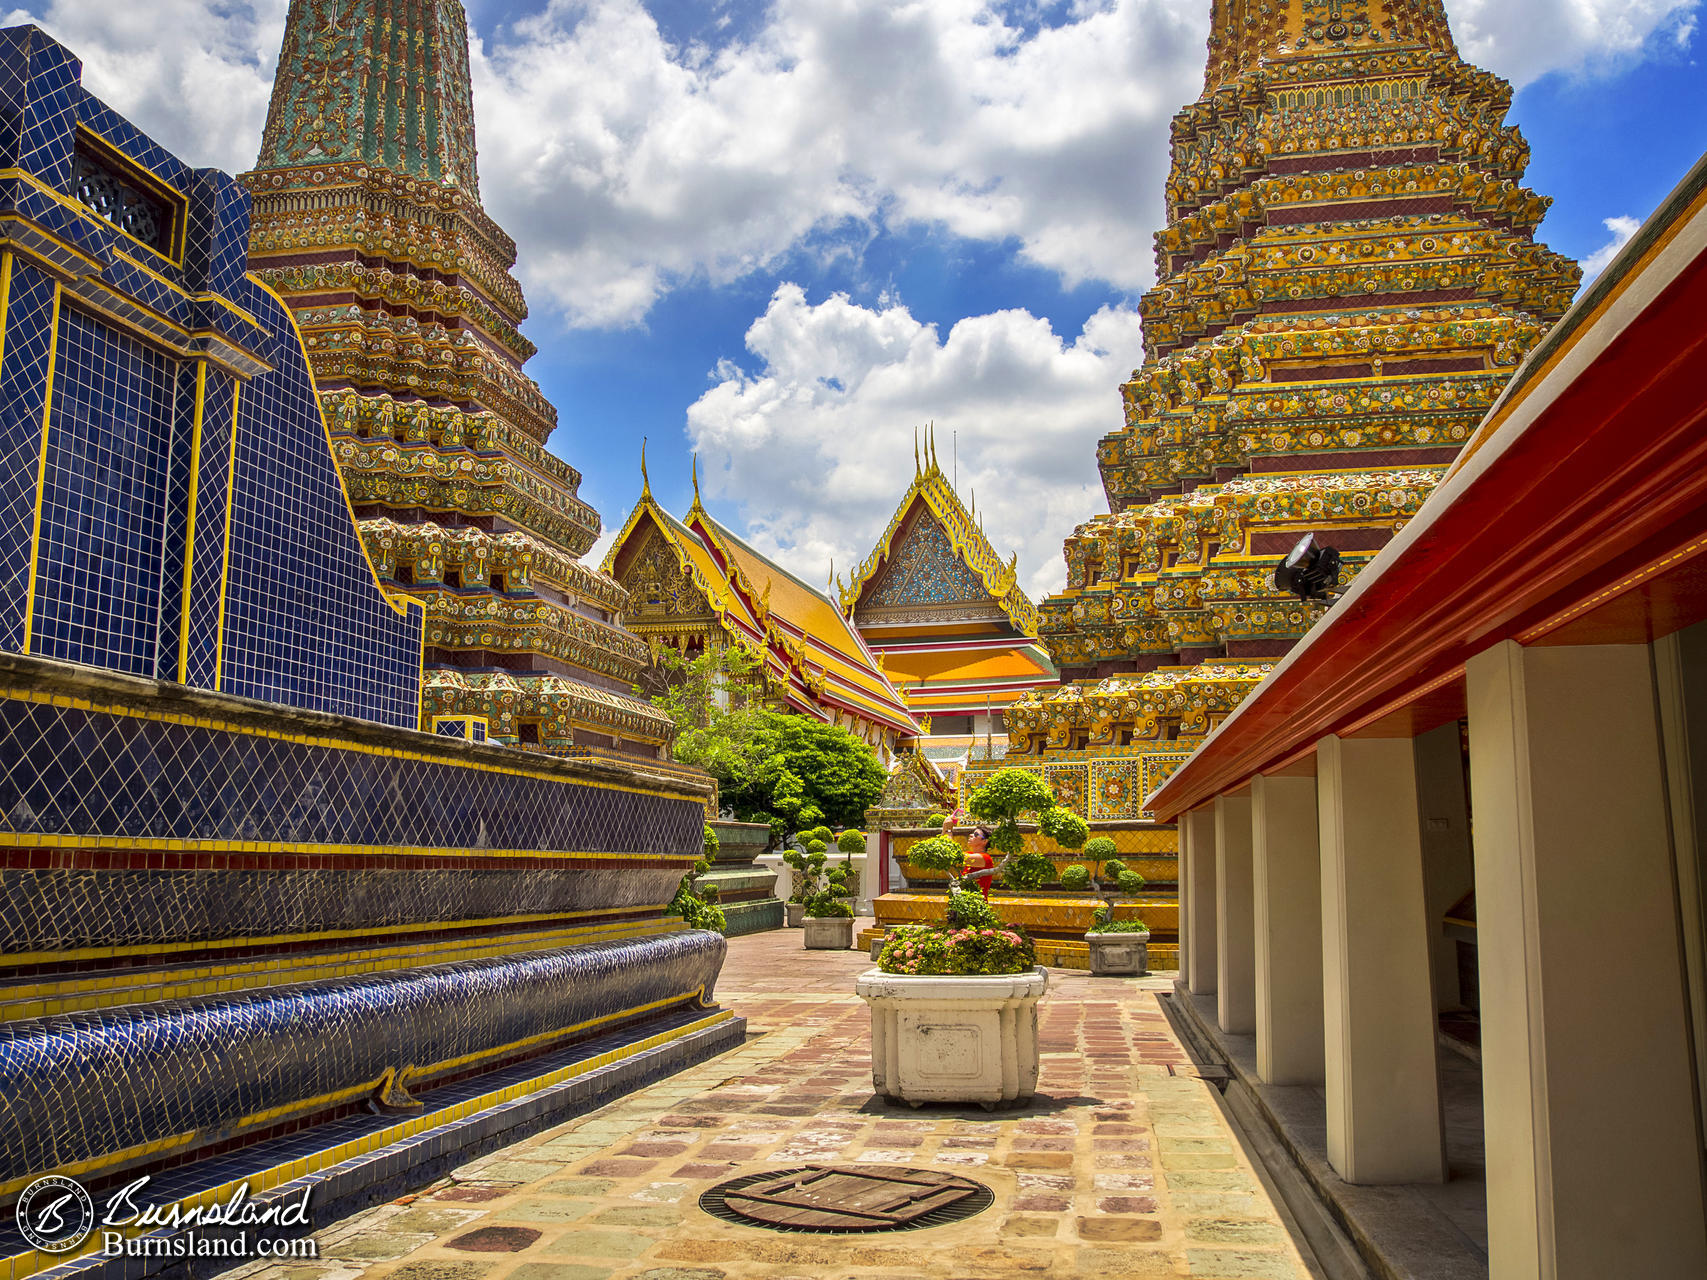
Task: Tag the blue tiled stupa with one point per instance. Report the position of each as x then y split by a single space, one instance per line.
255 926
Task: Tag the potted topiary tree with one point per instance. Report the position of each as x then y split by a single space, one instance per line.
828 917
954 1006
1119 948
807 864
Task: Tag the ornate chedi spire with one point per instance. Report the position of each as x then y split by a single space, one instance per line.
367 221
1347 278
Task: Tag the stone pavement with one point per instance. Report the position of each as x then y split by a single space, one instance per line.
1123 1167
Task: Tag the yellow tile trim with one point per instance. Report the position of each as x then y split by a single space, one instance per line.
78 993
225 564
190 528
41 470
337 744
329 935
323 1159
5 300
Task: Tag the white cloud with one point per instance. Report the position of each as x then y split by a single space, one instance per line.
625 166
1525 39
1622 229
816 446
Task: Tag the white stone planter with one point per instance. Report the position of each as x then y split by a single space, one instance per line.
829 933
1119 955
954 1039
796 914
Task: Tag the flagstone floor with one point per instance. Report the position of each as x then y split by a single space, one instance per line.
1123 1167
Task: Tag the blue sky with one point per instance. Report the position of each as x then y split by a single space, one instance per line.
788 233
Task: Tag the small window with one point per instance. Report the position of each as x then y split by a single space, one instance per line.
453 579
500 582
404 573
530 733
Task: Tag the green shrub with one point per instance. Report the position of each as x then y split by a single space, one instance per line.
968 910
712 843
1131 883
1100 849
936 820
695 905
1077 878
1003 800
1113 869
1104 925
815 846
851 841
939 853
1027 871
1064 827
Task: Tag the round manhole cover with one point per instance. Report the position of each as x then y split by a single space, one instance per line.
872 1197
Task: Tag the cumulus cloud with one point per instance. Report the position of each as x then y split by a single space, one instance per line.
1622 229
816 445
628 165
1525 39
625 165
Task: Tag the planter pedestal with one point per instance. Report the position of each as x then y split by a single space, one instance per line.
1119 955
953 1038
829 933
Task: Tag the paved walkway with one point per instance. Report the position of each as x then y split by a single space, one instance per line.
1124 1166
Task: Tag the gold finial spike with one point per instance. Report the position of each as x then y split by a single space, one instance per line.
645 480
832 582
974 494
696 501
918 469
930 446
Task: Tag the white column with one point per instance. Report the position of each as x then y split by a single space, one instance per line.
1235 939
1198 932
1594 1160
1379 1027
1286 863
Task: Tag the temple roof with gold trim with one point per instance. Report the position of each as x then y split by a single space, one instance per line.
932 491
815 658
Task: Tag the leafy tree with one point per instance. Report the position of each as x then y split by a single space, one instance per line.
810 773
792 772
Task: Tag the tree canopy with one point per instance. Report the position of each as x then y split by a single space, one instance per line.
792 771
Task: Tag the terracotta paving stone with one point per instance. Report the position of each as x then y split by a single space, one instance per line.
614 1195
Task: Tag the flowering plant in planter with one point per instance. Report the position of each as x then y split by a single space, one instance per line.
928 949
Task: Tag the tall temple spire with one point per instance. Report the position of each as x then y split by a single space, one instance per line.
380 81
1347 279
1244 33
367 221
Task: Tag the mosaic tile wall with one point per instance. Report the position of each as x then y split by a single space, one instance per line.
242 898
214 1061
169 504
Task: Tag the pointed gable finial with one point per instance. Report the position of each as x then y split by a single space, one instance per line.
830 585
645 480
930 445
918 468
696 502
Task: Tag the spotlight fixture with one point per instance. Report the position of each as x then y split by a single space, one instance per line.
1310 572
